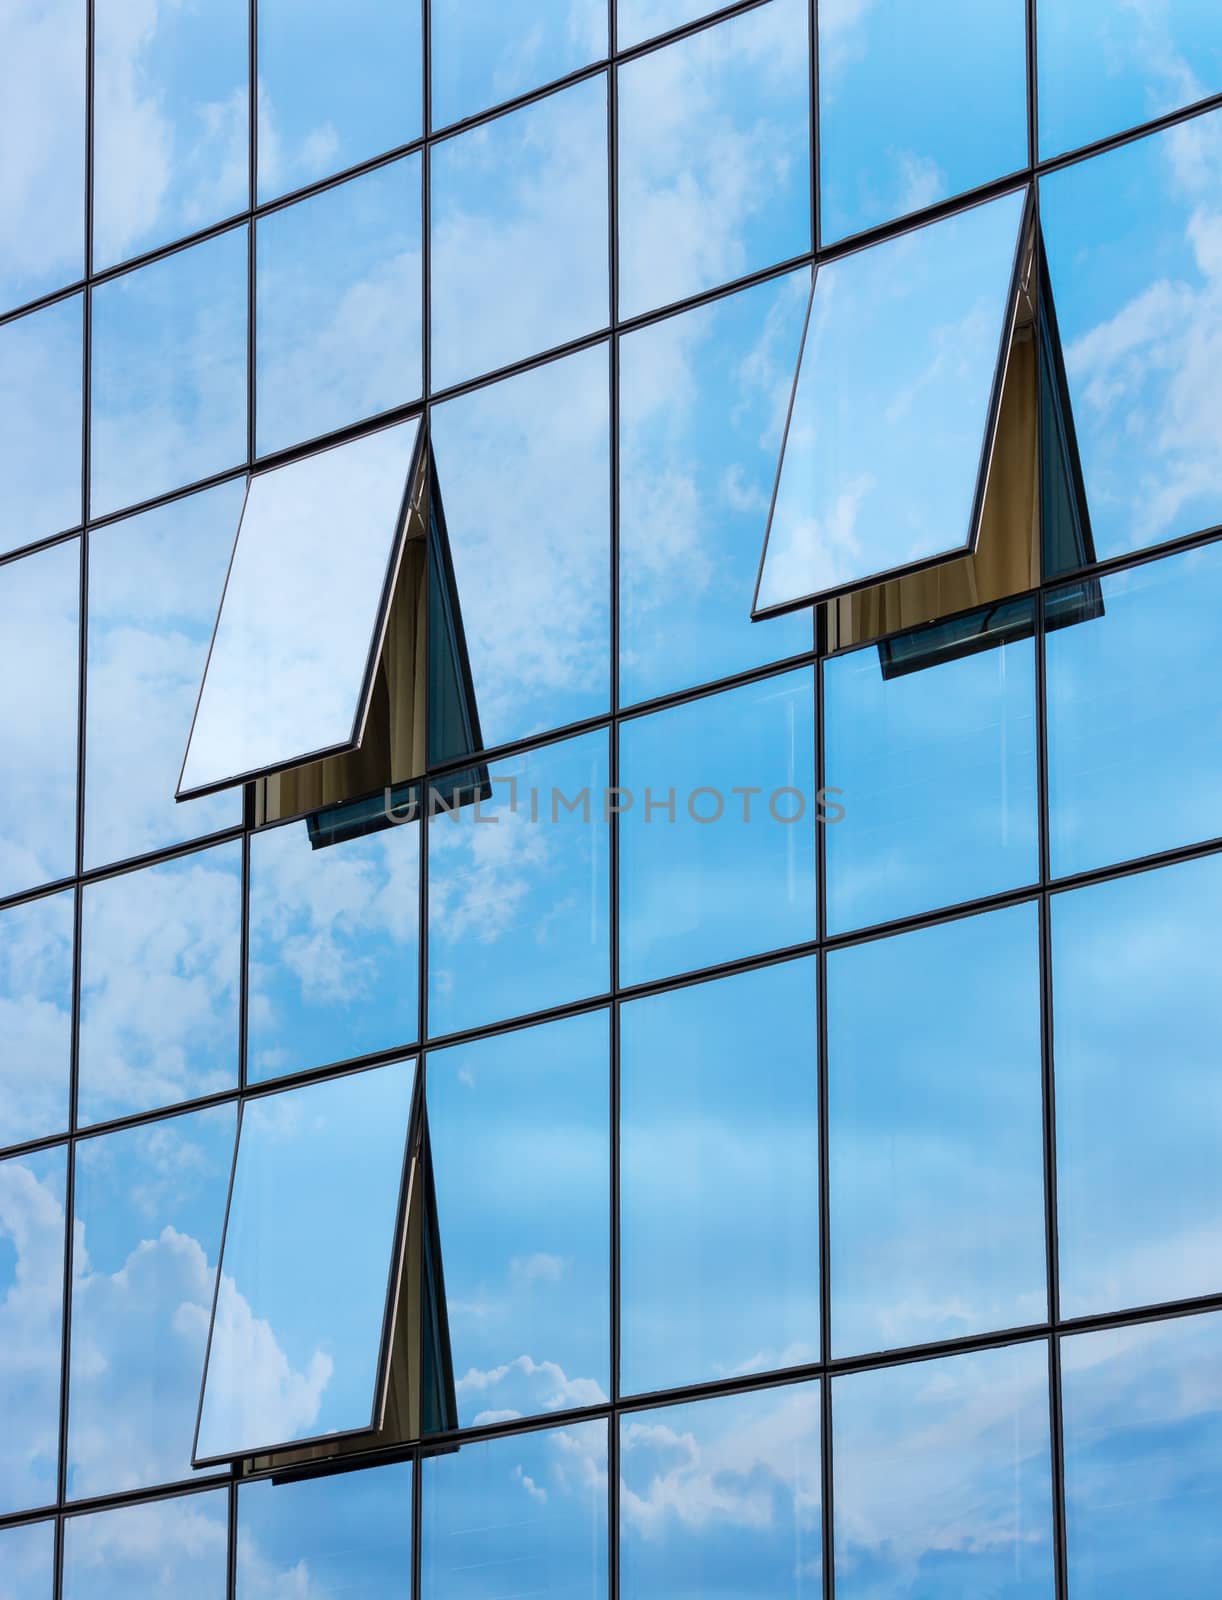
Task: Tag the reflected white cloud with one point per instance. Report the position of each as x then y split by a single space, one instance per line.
35 1018
144 1552
27 1561
40 423
484 52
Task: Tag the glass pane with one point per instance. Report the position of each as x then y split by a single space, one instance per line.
523 472
938 771
169 373
937 1172
35 1018
145 1552
518 887
333 947
1138 1014
717 836
27 1561
155 584
942 1478
337 318
1136 283
520 1140
719 1179
714 156
519 234
525 1515
1105 67
916 103
336 86
39 651
1143 1448
150 1205
40 423
485 52
696 475
31 1326
286 681
643 19
346 1536
171 122
294 1356
160 963
1135 715
42 134
883 453
723 1498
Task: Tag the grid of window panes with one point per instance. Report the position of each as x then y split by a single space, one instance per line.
820 1201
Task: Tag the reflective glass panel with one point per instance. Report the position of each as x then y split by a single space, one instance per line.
520 1139
333 947
27 1561
286 680
1138 285
160 963
938 771
524 476
714 156
1143 1459
337 84
144 1552
171 122
702 408
40 421
717 835
519 234
42 134
35 1018
31 1326
168 377
719 1179
643 19
345 1537
883 453
916 103
722 1497
1135 715
518 1516
935 1133
39 651
337 318
1138 1012
485 51
943 1484
518 886
149 1208
155 584
1104 67
294 1356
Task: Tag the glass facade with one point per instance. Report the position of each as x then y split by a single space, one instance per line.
752 1083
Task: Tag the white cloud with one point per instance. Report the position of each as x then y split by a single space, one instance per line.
530 1387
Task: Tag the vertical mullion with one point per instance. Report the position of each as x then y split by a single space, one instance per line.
613 358
819 620
231 1559
816 183
252 110
1033 95
416 1578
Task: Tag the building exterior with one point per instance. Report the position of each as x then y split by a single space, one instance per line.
729 1105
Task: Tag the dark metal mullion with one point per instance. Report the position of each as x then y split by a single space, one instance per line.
816 180
1033 89
416 1512
252 111
823 1176
231 1555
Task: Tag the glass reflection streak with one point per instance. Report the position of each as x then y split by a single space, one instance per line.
306 1264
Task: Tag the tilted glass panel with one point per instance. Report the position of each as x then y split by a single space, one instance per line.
518 218
1143 1459
484 52
338 308
27 1561
943 1478
320 1174
40 422
337 85
35 1017
916 103
1137 1012
149 1207
308 587
143 1552
637 20
723 1497
171 122
890 430
1130 238
31 1327
935 1133
719 1193
714 156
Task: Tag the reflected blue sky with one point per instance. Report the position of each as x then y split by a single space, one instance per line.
484 52
642 19
714 156
27 1562
40 423
35 1017
145 1552
520 1138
